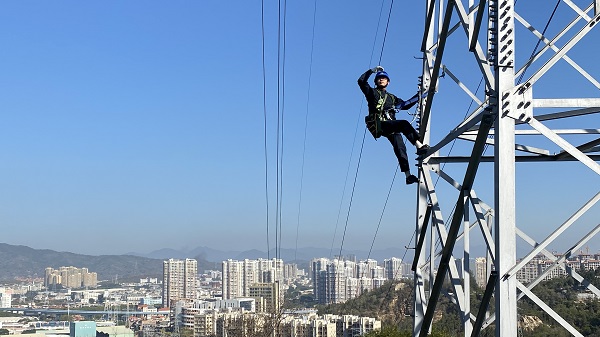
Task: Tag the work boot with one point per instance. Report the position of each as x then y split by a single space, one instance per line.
411 179
423 150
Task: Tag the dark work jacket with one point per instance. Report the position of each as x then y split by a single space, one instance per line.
374 95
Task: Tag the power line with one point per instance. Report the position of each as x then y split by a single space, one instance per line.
265 123
364 132
280 124
538 43
382 212
386 30
312 44
352 194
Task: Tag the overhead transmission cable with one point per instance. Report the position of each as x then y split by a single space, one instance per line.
363 139
278 143
382 212
280 125
264 77
312 45
386 30
280 129
393 179
538 43
354 141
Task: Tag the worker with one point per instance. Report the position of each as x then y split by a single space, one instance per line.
382 121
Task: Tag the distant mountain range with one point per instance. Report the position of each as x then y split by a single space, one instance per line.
288 255
23 261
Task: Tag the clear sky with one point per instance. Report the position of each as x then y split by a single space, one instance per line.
139 125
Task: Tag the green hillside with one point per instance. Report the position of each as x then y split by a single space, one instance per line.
22 261
392 304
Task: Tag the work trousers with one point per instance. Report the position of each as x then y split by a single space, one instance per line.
393 131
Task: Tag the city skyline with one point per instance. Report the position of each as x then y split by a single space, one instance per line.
134 126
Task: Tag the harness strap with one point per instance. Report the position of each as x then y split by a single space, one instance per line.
373 121
381 102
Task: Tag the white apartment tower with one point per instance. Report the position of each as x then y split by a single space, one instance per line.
5 298
336 281
179 280
393 268
233 279
364 268
481 272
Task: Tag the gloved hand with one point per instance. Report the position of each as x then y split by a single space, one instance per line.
377 69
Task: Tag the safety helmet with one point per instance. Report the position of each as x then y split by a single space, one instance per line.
381 74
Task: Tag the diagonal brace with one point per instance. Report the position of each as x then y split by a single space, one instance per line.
478 147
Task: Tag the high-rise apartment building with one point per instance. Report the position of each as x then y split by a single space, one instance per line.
267 296
5 298
290 272
233 279
224 324
319 275
238 276
337 280
179 280
70 277
481 272
393 268
364 268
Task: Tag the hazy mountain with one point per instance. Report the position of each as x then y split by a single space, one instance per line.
288 255
22 261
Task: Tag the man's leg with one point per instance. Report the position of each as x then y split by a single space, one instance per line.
404 127
400 151
408 131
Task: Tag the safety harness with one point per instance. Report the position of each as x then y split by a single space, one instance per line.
373 120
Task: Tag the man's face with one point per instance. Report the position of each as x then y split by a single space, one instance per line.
382 82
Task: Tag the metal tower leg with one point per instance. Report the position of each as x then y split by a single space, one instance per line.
504 161
506 104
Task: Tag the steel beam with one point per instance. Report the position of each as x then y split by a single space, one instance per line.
509 273
421 236
478 147
567 269
547 309
477 25
436 67
518 159
511 105
572 150
485 301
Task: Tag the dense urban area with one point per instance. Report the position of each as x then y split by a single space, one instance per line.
244 298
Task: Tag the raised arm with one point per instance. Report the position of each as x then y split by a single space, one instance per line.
363 81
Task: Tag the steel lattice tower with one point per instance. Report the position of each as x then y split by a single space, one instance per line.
516 118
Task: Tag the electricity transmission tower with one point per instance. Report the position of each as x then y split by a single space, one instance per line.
535 107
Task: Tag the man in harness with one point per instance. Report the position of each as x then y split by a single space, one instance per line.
381 120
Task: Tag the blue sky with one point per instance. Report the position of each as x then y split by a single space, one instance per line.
138 125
